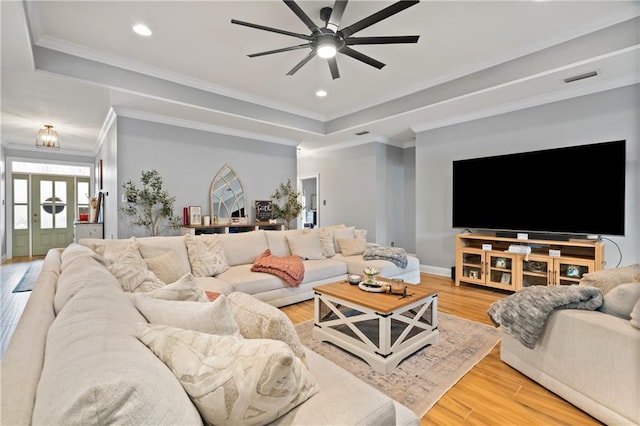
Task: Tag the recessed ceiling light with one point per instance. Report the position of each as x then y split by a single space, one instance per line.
142 30
321 93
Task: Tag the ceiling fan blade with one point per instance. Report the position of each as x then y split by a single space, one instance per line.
362 57
284 49
303 16
378 16
336 15
302 62
333 67
273 30
381 40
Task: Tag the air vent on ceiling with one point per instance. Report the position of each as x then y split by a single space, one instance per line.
581 77
364 132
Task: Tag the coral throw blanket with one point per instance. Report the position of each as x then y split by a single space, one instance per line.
289 268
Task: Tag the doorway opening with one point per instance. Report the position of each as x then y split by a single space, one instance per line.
309 187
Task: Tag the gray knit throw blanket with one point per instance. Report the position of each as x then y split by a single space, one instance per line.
396 255
524 313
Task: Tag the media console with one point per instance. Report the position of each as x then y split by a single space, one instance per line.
484 259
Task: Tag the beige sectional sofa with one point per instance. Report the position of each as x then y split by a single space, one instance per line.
591 358
76 357
242 249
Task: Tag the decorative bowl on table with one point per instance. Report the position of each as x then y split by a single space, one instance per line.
354 279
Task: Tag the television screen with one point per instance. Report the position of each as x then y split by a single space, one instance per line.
573 190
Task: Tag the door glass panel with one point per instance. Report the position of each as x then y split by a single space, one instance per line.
82 201
20 217
60 201
20 194
46 204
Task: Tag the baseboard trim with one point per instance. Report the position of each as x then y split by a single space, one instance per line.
436 270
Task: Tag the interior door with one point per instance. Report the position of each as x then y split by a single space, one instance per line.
52 212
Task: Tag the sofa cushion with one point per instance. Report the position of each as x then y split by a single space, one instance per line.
232 381
278 243
155 246
635 315
246 281
259 320
351 246
621 300
243 248
166 266
213 284
213 318
184 289
342 233
131 271
607 279
109 249
318 270
94 367
356 264
74 252
289 268
326 242
306 246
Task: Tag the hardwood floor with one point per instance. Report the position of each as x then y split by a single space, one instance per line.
492 393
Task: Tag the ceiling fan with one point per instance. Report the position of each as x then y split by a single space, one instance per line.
331 39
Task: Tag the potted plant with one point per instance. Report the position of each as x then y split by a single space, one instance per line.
150 206
285 203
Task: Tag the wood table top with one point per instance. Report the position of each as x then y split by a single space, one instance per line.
383 303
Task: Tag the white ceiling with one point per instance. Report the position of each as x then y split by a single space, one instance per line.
68 63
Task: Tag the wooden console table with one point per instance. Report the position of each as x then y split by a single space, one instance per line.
229 228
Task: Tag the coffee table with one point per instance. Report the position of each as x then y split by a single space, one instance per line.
382 329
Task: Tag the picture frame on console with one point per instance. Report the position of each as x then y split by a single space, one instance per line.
195 215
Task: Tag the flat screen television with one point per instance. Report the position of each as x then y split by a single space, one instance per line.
573 190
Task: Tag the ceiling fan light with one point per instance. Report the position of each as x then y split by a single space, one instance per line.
326 51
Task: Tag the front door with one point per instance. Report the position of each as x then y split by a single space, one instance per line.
52 212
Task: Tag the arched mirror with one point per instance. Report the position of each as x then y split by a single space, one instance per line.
227 195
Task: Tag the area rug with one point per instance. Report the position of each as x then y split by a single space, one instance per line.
424 377
29 277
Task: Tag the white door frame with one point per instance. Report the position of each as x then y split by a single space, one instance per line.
300 219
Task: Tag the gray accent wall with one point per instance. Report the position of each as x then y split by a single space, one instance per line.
601 117
363 186
189 159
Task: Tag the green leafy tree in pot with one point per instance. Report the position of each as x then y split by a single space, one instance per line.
150 206
286 204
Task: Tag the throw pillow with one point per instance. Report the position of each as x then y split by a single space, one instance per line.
326 242
131 271
167 267
216 249
202 262
306 246
259 320
212 318
635 315
232 381
212 295
607 279
360 234
341 233
184 289
621 300
289 268
351 246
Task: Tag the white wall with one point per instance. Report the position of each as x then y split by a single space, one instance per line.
189 159
602 117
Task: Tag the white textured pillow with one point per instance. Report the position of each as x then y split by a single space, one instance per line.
360 234
621 300
306 246
341 233
351 246
259 320
607 279
326 242
202 262
212 318
232 381
167 266
131 271
217 251
184 289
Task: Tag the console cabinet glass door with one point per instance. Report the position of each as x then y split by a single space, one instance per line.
501 270
568 271
472 265
537 270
